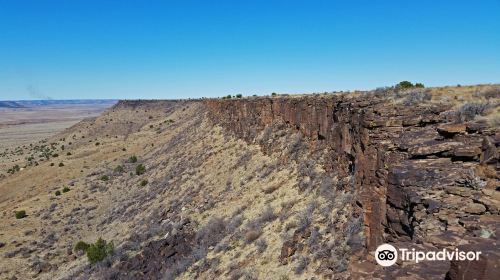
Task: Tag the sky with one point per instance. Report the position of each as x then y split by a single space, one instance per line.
189 49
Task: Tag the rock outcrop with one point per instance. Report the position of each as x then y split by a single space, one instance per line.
421 177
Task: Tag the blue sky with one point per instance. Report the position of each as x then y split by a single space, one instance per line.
180 49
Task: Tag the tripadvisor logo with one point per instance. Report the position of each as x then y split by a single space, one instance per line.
387 255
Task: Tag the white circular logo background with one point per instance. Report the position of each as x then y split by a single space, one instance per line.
386 255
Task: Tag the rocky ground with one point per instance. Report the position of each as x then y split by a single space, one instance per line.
297 187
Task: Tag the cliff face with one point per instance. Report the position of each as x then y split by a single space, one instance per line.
420 176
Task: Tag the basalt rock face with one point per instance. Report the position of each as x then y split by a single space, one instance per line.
333 123
420 176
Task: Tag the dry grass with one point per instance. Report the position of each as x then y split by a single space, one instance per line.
244 204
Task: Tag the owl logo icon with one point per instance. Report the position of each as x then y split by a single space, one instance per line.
386 255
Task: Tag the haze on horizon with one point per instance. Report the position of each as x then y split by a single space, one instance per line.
191 49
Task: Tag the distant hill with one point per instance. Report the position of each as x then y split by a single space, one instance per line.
38 103
10 104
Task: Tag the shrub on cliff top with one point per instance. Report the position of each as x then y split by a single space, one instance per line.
416 97
469 111
404 85
408 85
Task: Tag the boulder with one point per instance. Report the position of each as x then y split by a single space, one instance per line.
449 130
432 148
475 208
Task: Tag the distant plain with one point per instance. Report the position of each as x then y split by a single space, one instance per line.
25 125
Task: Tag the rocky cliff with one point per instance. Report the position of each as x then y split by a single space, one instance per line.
421 176
284 187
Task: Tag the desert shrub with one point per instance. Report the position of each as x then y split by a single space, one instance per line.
68 153
270 189
81 246
304 219
104 178
144 182
239 95
252 234
223 246
295 145
404 85
419 85
51 164
58 193
98 251
266 135
119 169
416 97
327 187
490 93
274 94
254 228
314 238
140 169
261 245
14 169
242 274
132 159
212 232
235 222
228 96
20 214
61 164
469 111
65 190
55 155
267 215
302 263
382 91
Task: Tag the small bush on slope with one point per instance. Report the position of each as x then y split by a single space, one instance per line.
98 251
